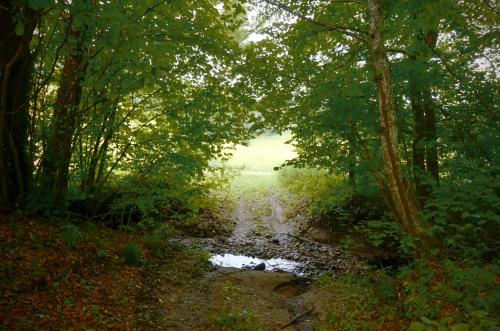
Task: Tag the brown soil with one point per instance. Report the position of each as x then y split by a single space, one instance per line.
226 299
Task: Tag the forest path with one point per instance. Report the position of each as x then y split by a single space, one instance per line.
239 297
263 232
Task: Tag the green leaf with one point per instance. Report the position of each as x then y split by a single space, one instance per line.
428 321
39 4
479 313
460 327
20 29
417 326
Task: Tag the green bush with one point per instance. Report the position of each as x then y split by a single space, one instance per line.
133 255
71 235
464 212
153 239
451 293
321 191
101 246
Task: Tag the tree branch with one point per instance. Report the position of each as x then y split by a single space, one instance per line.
488 4
349 1
351 32
460 80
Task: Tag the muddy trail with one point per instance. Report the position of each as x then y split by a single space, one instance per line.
260 278
263 234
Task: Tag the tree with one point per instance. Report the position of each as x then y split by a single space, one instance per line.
67 114
18 23
401 192
397 44
142 89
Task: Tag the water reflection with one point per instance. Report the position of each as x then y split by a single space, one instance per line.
242 261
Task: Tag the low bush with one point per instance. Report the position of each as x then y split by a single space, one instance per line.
71 235
450 295
133 255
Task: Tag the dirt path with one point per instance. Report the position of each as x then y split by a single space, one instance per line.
229 300
260 219
218 298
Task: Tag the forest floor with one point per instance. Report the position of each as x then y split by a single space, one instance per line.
60 276
183 293
46 285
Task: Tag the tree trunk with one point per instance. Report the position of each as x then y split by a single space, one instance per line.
66 117
418 147
402 196
431 151
425 155
15 78
99 151
352 153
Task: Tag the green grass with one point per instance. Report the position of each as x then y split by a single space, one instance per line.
262 154
254 164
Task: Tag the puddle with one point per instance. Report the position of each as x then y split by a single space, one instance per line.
242 261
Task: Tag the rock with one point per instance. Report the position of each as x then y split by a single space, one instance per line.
276 241
260 266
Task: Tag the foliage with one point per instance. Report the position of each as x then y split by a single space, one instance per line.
322 192
451 294
71 235
313 78
464 211
45 285
156 96
238 321
358 221
154 240
115 110
359 302
133 255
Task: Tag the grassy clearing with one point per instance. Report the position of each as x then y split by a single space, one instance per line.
254 164
262 154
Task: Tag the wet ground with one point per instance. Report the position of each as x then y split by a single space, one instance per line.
261 277
262 234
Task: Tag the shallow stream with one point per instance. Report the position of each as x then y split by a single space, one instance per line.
248 262
263 235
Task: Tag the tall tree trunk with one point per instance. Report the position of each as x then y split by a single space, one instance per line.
402 196
352 153
425 154
431 151
418 147
66 118
15 78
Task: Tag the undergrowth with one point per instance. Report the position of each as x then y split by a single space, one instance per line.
44 285
456 289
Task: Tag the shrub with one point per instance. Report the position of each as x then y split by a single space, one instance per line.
153 239
71 235
101 247
458 294
321 191
133 255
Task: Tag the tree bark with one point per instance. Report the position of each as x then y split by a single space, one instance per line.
425 153
66 117
15 77
352 153
402 196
